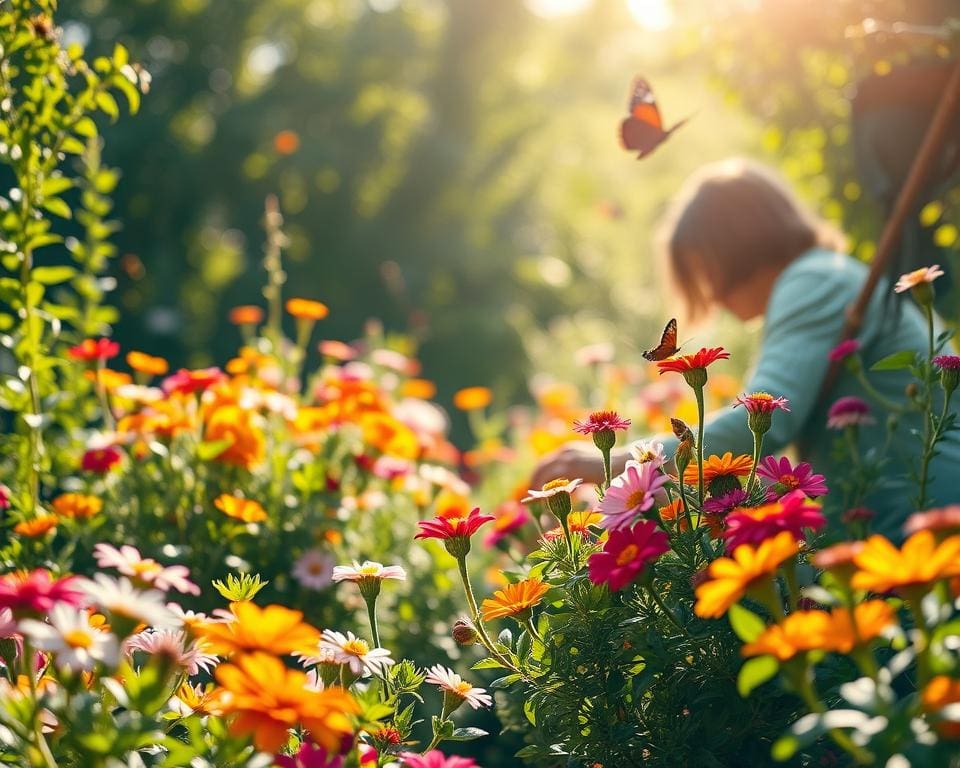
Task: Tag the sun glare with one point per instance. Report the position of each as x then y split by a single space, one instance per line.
654 15
552 8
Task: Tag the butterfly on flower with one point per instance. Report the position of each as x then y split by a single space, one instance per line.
667 346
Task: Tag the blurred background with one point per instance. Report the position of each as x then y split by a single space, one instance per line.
452 168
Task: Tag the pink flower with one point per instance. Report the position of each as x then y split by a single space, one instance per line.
843 350
145 570
626 553
369 570
100 460
173 645
452 527
314 569
435 759
723 505
848 412
37 592
630 493
450 682
946 519
786 478
600 421
917 277
511 516
308 756
948 362
390 467
4 498
752 525
761 402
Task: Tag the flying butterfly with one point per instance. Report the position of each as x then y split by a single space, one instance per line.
643 131
667 346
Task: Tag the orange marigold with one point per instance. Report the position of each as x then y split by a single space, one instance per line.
729 578
715 466
939 693
245 314
514 600
920 562
273 629
418 388
141 362
78 506
267 699
239 508
37 526
472 398
306 309
236 427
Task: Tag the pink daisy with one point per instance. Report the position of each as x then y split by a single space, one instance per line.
145 570
752 525
785 478
761 402
435 759
947 362
723 505
450 682
172 644
626 553
843 350
848 412
600 421
37 592
630 494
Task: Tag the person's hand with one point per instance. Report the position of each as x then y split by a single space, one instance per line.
573 460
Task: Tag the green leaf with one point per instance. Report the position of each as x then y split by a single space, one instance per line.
58 207
53 275
488 664
85 127
746 624
210 449
467 734
55 185
108 105
895 362
756 672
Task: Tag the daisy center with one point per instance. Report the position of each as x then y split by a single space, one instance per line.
636 499
558 483
628 554
462 688
356 647
790 481
369 570
315 569
78 638
146 567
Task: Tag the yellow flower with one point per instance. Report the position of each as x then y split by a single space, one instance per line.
921 561
239 508
305 309
267 699
144 363
731 577
77 506
514 600
273 629
108 378
472 398
727 465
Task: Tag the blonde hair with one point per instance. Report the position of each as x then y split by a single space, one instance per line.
729 220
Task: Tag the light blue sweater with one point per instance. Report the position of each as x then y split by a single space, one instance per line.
803 321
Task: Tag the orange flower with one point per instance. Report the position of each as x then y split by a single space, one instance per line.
514 600
108 378
451 505
727 465
141 362
36 526
731 577
77 506
267 699
338 350
245 314
921 561
235 426
870 619
939 693
273 629
305 309
239 508
389 435
205 700
286 142
800 631
418 388
673 511
472 398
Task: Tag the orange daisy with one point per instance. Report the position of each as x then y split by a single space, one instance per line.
939 693
245 314
141 362
77 506
514 600
273 629
37 526
921 561
306 309
715 466
239 508
472 398
730 578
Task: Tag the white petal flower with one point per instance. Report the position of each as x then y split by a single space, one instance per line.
70 638
450 681
121 598
356 653
369 570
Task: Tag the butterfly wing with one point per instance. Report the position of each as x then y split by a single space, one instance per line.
667 346
643 106
642 131
639 136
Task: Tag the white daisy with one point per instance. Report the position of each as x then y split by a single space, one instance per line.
121 599
649 452
369 570
70 638
450 682
355 653
314 569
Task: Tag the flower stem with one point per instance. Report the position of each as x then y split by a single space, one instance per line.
607 473
665 610
477 619
698 391
372 615
757 447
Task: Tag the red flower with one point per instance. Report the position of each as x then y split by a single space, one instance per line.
100 460
599 421
626 554
753 525
188 382
89 350
452 527
700 359
37 592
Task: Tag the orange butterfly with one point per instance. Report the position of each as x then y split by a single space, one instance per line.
667 346
643 130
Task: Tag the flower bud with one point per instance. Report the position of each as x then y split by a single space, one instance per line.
605 439
457 546
923 294
464 632
696 377
949 378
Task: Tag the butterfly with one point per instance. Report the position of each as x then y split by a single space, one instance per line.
667 346
643 130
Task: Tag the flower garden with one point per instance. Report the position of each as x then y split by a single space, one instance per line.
283 560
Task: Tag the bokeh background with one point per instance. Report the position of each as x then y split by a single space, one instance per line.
452 168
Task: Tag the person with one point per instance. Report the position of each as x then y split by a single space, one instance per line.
737 238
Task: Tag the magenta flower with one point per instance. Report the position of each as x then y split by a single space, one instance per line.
785 478
599 421
37 592
629 494
844 349
4 498
452 527
947 362
848 412
308 756
762 402
188 382
435 759
100 460
725 504
752 525
511 516
626 553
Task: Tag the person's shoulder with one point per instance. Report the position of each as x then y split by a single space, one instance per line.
825 264
820 279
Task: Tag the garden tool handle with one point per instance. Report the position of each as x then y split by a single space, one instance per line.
909 192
